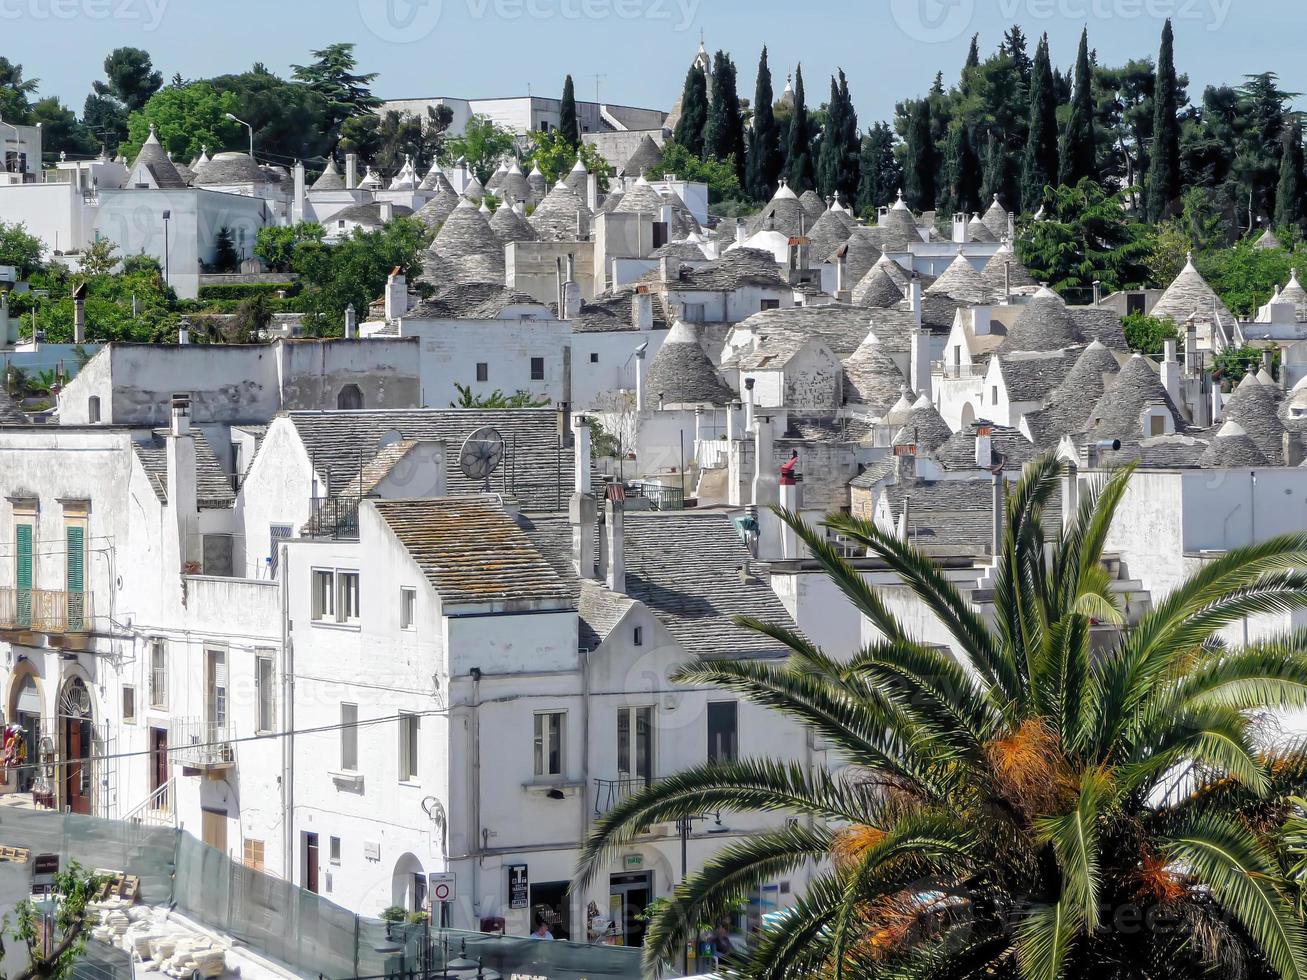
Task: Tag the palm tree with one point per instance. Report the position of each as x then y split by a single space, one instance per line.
1047 798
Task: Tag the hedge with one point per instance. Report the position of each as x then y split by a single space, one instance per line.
244 290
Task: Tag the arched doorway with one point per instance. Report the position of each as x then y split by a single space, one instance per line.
350 399
24 710
968 416
77 744
408 884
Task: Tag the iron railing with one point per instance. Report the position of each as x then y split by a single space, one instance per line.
659 497
156 810
200 744
948 369
336 517
610 792
45 611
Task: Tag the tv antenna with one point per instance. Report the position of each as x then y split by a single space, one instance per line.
481 455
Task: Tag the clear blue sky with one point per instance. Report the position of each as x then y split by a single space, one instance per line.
498 47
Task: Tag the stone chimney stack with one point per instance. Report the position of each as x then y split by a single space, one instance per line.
997 511
764 466
984 447
387 212
748 404
614 540
920 355
351 323
297 203
79 313
351 171
582 509
396 295
914 299
183 332
182 504
1170 371
642 308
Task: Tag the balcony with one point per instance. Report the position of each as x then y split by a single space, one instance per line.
201 746
610 792
955 372
54 613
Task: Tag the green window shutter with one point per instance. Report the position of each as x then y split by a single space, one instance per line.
24 550
76 559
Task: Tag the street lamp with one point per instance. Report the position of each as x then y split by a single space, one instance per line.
166 216
686 824
247 126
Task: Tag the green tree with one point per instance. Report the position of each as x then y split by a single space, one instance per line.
798 142
720 175
989 805
921 163
344 92
724 134
483 144
961 192
1086 235
20 249
694 111
225 256
765 160
997 178
186 120
16 91
1289 207
567 122
99 258
129 82
1245 277
275 245
354 271
61 132
496 399
1079 142
879 174
1148 334
289 118
1039 166
840 148
1164 164
555 157
390 137
74 889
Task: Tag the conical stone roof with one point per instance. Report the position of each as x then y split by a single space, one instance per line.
435 211
813 206
647 159
514 186
962 282
555 218
1006 259
924 427
1255 407
1190 295
995 220
878 290
681 373
871 377
467 242
509 226
474 190
1232 447
1119 412
153 157
1044 324
330 179
830 231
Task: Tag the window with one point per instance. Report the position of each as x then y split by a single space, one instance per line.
1156 425
537 369
549 743
277 533
723 733
324 594
408 748
349 737
217 687
253 854
75 575
993 394
158 675
333 850
347 597
637 636
594 357
635 744
129 703
770 304
265 684
692 313
483 371
93 409
408 601
349 398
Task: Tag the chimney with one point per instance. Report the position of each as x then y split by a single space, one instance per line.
351 171
731 420
1268 362
764 466
905 520
351 323
79 313
183 332
1098 292
639 376
984 447
520 208
791 498
1007 283
905 463
614 542
180 445
741 229
642 308
387 212
920 362
592 192
665 270
1170 371
1292 449
297 204
571 300
1217 406
748 404
914 299
396 295
842 272
999 505
1190 347
582 509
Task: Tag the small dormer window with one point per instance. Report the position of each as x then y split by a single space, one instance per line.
1156 421
93 409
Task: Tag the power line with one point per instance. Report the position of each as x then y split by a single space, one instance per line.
233 741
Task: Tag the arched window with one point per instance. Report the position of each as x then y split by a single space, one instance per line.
93 409
350 399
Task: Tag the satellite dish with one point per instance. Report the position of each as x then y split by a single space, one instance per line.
389 439
481 455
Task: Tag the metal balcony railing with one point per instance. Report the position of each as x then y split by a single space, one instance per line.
45 611
200 744
948 369
610 792
659 497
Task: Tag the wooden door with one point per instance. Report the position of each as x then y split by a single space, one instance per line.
310 862
159 763
215 829
77 746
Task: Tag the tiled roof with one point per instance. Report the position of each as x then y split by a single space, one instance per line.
613 311
871 377
961 282
152 156
1163 452
368 214
925 427
863 253
831 230
736 268
212 484
839 326
1031 375
995 219
469 301
1004 263
471 551
813 206
959 452
829 429
509 226
555 218
1190 295
1069 404
1255 408
468 244
682 374
534 470
647 158
877 289
330 179
10 413
435 211
1232 447
1118 413
230 168
1044 324
946 514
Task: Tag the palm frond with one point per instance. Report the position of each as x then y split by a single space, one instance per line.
1044 935
1074 837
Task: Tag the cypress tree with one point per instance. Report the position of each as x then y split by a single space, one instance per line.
838 155
1164 166
724 135
1079 142
764 138
798 144
1039 169
969 68
998 176
567 124
961 172
1014 46
879 175
1289 210
919 179
694 111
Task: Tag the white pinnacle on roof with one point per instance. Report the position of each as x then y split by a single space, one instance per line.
900 204
783 192
579 166
485 208
370 180
1293 291
535 170
837 206
1189 296
898 414
516 168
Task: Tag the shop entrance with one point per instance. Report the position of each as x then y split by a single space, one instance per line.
628 896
